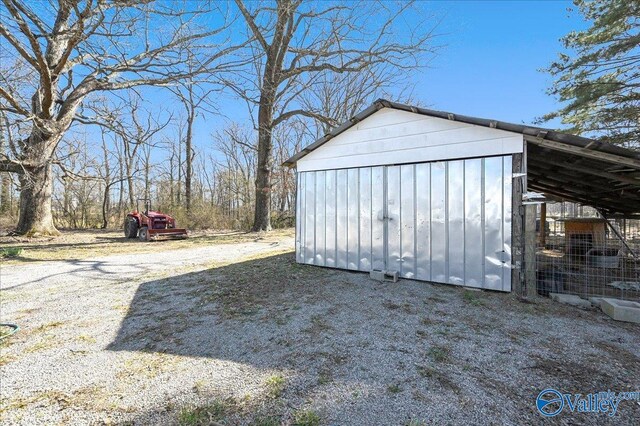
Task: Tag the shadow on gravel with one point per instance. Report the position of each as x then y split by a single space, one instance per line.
234 312
82 268
381 348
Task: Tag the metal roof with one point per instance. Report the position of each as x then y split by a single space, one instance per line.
561 165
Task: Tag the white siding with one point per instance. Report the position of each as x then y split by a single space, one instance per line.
391 136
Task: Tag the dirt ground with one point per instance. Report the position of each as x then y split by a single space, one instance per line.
228 329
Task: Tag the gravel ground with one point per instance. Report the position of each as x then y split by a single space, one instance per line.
240 334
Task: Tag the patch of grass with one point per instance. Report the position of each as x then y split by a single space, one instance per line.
440 377
86 339
324 377
147 365
471 297
47 327
428 321
6 359
425 371
422 333
205 414
282 320
434 298
305 418
199 386
439 353
275 386
48 342
408 308
85 398
10 252
394 388
318 325
266 421
390 305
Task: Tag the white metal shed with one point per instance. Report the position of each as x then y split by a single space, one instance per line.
429 194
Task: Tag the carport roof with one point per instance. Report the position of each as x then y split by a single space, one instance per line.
560 165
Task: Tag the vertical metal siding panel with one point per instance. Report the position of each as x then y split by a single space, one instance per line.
309 237
493 190
301 216
342 219
407 221
473 232
377 217
423 221
330 218
353 228
394 196
455 216
438 225
297 213
365 219
506 219
320 219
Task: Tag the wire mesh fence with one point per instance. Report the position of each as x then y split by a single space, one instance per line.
578 252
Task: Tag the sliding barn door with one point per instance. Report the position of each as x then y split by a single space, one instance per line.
447 221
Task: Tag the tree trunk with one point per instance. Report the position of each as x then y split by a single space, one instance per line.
5 185
4 181
179 192
189 158
105 206
171 200
262 217
35 202
132 191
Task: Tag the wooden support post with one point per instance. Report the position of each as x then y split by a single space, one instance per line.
530 247
543 225
517 226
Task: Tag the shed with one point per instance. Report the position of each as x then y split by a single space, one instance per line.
438 196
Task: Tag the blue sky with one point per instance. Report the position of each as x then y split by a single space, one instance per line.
489 66
490 63
494 51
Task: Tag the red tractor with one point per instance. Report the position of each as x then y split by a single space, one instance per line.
150 225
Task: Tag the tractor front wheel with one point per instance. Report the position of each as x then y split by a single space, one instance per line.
143 234
130 228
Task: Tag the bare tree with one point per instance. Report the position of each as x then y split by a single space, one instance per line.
5 182
77 186
194 95
136 129
296 42
236 171
74 48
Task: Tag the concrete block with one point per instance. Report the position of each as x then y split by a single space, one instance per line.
570 299
596 301
391 276
621 310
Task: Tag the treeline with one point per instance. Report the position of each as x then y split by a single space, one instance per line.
103 103
96 188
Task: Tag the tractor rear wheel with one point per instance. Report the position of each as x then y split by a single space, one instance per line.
130 228
143 234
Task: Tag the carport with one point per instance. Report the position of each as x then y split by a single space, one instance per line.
442 197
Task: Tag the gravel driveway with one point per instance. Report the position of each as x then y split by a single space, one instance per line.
240 334
124 267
